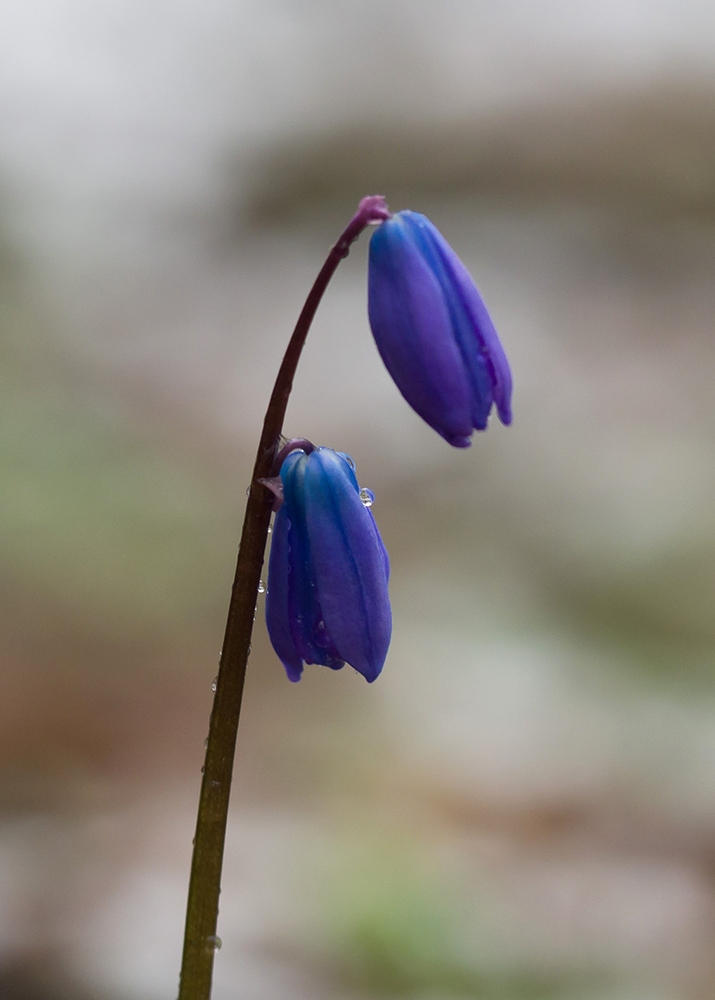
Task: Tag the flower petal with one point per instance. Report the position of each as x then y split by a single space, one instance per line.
348 564
311 637
385 556
277 615
413 332
469 303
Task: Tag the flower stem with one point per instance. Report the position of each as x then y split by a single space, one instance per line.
200 941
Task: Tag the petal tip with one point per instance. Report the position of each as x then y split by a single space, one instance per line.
458 441
369 674
294 673
505 415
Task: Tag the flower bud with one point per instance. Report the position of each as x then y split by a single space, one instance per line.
327 599
433 330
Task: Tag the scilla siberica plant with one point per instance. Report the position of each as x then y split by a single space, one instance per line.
327 600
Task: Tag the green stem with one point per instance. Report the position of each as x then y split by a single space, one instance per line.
205 882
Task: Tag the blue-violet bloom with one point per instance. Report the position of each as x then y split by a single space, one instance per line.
433 330
327 599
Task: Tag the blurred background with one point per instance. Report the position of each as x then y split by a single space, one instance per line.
523 806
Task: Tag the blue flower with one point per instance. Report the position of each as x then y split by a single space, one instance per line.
327 599
433 330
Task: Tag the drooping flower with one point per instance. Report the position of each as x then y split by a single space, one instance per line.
433 330
327 599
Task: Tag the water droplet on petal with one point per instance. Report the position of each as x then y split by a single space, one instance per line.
214 684
322 636
261 587
367 497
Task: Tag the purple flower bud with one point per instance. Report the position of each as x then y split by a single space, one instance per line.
433 330
327 599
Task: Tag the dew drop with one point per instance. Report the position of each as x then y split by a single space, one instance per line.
261 587
206 742
214 684
322 636
367 497
213 942
250 647
270 529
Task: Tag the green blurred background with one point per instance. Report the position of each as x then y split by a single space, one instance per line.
523 806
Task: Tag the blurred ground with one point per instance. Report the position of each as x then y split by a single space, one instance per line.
522 807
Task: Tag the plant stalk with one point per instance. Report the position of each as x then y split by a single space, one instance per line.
200 941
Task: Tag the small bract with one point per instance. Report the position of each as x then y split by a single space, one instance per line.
433 330
327 600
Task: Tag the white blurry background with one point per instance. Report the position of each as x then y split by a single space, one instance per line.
523 806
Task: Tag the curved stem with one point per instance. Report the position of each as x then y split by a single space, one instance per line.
200 939
303 444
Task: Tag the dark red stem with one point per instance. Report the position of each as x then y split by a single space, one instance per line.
200 939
